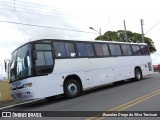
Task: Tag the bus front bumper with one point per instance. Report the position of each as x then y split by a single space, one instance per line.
22 95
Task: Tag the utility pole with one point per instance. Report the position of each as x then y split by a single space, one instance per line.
100 32
142 31
125 31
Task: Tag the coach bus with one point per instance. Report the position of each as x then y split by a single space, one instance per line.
49 67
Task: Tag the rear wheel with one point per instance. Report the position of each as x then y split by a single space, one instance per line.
138 74
72 88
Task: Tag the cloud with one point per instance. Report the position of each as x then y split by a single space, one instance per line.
12 34
34 32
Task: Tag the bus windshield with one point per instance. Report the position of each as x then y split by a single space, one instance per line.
21 63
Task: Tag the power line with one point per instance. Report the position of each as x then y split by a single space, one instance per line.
152 27
40 9
36 12
33 25
43 7
40 5
18 2
45 13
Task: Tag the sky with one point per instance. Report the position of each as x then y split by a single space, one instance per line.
71 19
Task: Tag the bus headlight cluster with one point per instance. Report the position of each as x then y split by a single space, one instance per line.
27 85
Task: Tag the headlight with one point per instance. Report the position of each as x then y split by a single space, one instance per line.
28 85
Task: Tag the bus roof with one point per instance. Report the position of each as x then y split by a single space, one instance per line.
95 41
81 41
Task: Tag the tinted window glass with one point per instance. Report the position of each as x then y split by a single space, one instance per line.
129 49
144 50
64 49
89 49
48 58
112 49
118 50
70 49
23 62
126 49
40 59
136 50
81 49
60 50
43 47
98 49
105 50
44 58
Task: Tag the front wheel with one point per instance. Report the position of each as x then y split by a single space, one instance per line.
138 74
72 88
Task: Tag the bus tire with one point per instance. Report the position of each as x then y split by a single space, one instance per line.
138 74
72 88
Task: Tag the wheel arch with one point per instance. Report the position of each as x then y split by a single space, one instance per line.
138 67
75 77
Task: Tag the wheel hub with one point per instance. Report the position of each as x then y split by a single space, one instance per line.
72 88
138 75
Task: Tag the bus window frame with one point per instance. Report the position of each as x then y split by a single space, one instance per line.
127 48
133 51
103 56
34 61
147 49
65 49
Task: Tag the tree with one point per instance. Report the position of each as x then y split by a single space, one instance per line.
119 36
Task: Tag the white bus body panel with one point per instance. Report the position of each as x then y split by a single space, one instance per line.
92 72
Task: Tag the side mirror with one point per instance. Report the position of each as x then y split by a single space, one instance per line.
6 65
35 55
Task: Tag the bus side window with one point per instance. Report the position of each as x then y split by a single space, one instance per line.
48 57
40 59
44 55
70 50
98 49
129 49
105 49
44 58
89 49
44 61
126 49
144 50
81 50
112 49
101 49
118 50
59 48
64 49
136 50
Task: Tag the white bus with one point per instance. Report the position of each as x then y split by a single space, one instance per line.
50 67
